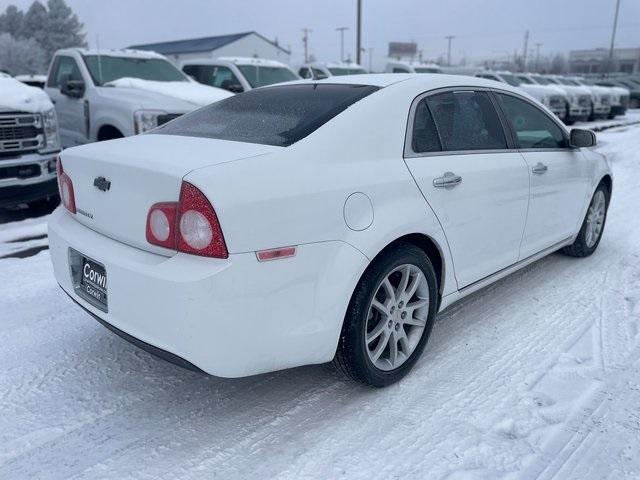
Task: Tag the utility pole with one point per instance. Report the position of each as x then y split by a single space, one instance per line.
359 32
524 53
370 59
449 38
305 42
538 45
613 37
341 30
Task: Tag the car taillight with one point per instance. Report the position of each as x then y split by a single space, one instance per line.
65 187
190 225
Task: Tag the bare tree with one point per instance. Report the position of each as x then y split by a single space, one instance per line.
21 56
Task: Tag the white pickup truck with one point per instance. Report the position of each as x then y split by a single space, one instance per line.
238 74
101 95
29 144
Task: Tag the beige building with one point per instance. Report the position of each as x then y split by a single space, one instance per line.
625 60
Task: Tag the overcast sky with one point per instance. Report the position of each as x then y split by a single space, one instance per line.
483 28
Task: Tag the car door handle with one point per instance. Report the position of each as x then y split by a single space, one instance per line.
449 179
539 168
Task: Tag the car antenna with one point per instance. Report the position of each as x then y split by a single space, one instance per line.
99 58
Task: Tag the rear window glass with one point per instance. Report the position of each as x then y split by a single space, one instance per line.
277 116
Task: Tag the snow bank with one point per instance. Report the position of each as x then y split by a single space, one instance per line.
15 95
195 93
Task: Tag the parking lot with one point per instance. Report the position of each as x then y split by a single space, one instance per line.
537 375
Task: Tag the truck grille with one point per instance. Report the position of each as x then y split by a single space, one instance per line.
19 132
584 101
605 100
556 102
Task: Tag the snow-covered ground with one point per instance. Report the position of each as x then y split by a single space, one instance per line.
537 376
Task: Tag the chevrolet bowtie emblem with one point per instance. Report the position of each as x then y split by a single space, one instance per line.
102 183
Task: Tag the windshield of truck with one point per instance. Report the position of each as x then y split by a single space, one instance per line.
339 71
540 80
260 76
510 79
427 70
525 80
105 69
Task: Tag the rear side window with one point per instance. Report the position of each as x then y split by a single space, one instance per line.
277 116
425 136
532 126
467 121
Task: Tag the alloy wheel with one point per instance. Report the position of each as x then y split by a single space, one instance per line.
397 317
595 219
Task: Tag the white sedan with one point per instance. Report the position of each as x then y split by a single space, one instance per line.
317 221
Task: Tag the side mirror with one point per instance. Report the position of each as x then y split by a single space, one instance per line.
579 138
232 87
71 88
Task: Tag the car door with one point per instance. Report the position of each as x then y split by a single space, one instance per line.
69 110
478 187
559 174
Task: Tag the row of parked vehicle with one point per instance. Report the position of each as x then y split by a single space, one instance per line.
96 95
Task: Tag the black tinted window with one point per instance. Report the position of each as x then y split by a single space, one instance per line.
533 127
425 136
272 116
467 121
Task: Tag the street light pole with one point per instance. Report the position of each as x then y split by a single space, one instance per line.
359 32
341 30
305 41
613 37
449 38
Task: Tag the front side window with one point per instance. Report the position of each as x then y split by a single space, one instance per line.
305 72
277 116
223 77
64 66
259 76
319 74
532 126
467 120
105 68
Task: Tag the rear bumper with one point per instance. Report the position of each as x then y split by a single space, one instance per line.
229 318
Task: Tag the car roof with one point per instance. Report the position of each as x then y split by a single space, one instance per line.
426 81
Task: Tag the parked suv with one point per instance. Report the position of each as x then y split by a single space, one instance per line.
552 98
319 70
29 144
630 86
600 105
237 74
101 95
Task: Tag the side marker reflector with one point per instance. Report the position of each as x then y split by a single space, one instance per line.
276 254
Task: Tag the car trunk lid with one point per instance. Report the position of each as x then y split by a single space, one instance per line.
116 182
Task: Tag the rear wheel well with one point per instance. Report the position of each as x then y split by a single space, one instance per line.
430 248
108 132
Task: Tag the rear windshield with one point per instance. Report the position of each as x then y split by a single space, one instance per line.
277 116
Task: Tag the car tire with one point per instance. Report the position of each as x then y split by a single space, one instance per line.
592 227
568 119
404 325
45 204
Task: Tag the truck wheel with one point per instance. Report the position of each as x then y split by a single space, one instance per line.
568 119
389 318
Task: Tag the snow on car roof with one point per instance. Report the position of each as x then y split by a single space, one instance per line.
262 62
127 53
428 81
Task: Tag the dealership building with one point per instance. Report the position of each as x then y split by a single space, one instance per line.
626 60
246 44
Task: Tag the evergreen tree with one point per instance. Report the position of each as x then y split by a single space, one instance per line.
21 56
11 21
35 23
63 29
